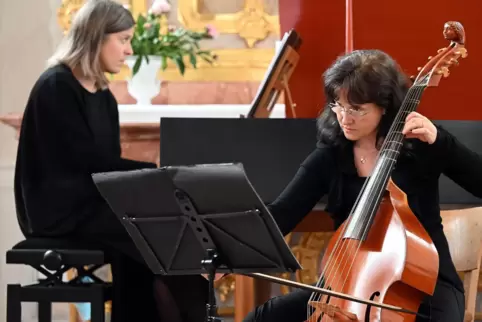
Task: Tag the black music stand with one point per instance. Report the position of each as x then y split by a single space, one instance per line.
197 219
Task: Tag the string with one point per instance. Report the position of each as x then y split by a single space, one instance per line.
373 199
389 157
375 196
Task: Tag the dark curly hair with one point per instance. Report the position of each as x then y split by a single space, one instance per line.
367 76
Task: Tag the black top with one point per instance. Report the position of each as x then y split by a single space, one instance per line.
67 134
331 171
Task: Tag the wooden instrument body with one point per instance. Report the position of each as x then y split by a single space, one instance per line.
396 264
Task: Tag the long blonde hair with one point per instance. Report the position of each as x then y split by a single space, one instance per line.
82 45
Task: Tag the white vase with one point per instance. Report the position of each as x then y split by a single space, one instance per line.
144 85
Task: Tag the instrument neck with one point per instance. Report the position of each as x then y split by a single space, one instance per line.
366 206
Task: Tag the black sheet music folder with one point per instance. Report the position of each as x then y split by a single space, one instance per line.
176 215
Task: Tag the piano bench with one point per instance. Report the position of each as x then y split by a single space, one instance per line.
53 257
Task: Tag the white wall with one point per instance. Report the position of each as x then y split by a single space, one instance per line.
28 35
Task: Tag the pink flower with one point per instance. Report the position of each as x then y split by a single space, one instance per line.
147 25
212 32
159 7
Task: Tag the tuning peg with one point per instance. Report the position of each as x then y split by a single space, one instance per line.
453 61
440 50
412 78
430 57
419 68
444 71
462 52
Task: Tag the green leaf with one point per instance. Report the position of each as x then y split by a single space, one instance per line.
174 45
193 60
141 20
206 59
180 64
163 62
137 65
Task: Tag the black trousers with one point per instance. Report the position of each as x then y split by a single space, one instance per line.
138 294
446 305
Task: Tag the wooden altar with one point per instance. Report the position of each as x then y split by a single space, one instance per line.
140 123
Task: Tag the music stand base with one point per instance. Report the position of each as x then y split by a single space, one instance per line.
210 263
211 318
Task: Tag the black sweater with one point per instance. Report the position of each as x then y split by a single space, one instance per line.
67 134
331 171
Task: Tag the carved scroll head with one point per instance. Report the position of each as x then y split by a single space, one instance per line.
454 31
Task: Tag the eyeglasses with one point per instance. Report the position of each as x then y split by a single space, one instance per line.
337 108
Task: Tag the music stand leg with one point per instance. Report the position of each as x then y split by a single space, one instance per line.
210 264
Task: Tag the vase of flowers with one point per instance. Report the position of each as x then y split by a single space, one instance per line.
153 48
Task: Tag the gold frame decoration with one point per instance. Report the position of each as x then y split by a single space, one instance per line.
68 8
252 23
66 11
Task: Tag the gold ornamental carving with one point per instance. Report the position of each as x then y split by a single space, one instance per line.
252 23
309 252
66 12
68 8
225 287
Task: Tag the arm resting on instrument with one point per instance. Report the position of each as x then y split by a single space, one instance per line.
310 183
458 162
60 119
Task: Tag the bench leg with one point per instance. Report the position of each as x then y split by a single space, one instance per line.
97 308
45 312
14 304
97 313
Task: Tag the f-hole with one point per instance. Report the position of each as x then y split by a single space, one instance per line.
327 300
369 307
